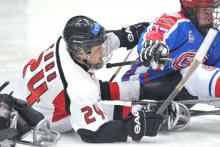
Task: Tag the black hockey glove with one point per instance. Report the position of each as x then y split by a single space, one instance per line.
31 116
27 117
5 110
152 53
135 125
130 35
142 123
3 123
153 123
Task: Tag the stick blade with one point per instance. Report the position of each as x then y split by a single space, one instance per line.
4 85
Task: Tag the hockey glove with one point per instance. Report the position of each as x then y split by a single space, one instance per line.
142 123
3 123
31 116
153 123
5 110
130 35
135 125
152 52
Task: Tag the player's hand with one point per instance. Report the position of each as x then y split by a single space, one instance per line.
139 27
135 125
30 115
143 123
153 123
153 53
132 34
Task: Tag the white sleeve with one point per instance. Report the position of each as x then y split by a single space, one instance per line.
125 91
129 90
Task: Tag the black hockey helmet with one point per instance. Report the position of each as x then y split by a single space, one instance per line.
204 14
81 34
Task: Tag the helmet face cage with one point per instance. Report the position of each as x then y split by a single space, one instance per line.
85 48
206 11
81 35
106 56
107 51
216 17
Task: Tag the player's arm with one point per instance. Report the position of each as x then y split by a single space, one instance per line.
157 89
125 91
139 124
125 37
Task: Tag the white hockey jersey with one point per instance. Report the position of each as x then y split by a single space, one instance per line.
54 85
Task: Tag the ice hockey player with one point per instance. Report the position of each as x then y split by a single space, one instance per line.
179 36
61 84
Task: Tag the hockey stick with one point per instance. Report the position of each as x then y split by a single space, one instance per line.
146 102
119 68
195 113
26 143
110 65
196 61
42 137
4 85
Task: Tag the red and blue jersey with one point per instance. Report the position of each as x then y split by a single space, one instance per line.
183 40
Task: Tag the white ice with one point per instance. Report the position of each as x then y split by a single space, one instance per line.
28 26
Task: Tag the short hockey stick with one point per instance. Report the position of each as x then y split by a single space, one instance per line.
25 142
196 61
146 102
110 65
4 85
195 113
119 68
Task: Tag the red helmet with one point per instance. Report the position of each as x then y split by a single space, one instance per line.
200 3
